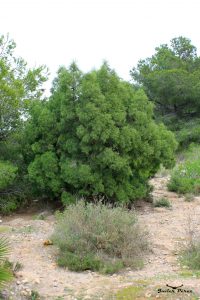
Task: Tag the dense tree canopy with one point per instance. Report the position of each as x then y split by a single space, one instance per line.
171 78
95 137
19 86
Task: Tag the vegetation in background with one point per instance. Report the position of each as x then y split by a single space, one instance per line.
185 177
95 138
171 79
99 238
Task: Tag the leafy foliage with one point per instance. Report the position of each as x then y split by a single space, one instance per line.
5 273
185 177
95 137
7 174
19 87
171 80
99 237
188 132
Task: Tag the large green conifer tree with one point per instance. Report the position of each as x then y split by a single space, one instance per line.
96 137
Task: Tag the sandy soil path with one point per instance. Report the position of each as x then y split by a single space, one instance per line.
168 233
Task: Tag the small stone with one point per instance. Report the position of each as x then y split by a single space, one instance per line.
24 281
24 293
147 295
18 282
28 292
19 274
37 281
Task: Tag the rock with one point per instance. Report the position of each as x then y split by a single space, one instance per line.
19 274
148 295
28 291
37 281
24 281
24 293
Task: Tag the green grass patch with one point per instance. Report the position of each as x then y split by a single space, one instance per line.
189 274
130 293
190 256
4 229
185 177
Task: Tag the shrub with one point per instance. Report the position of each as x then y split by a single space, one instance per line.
188 133
162 202
11 195
96 136
186 177
7 174
8 204
189 197
99 238
191 256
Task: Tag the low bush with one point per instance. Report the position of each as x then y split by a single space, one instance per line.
186 177
8 204
189 132
189 197
191 256
190 253
99 238
7 174
162 202
13 191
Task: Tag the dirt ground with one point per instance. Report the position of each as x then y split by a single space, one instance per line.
168 230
